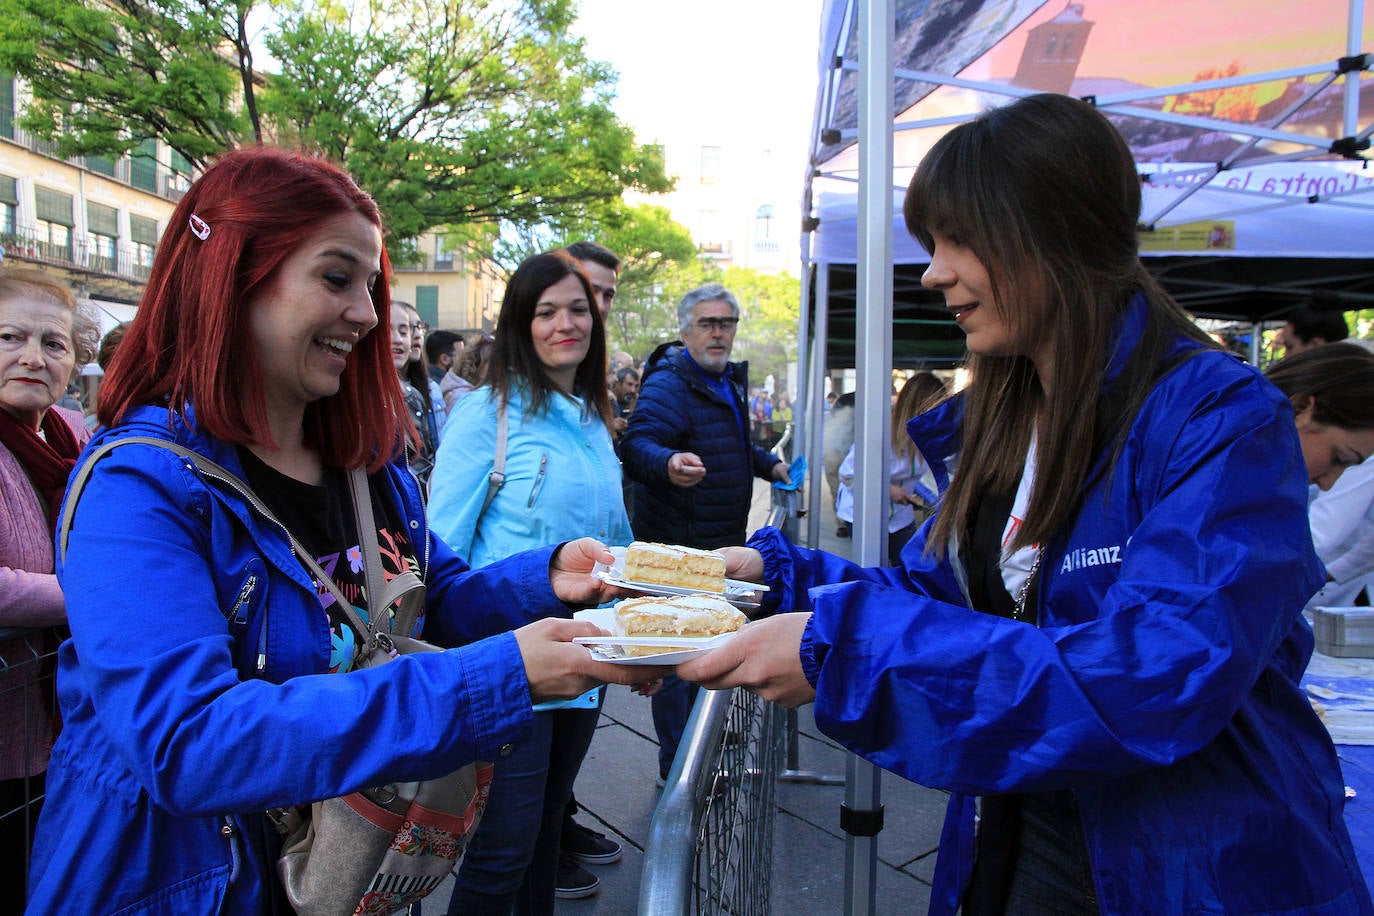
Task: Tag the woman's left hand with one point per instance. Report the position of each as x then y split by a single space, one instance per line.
763 658
570 573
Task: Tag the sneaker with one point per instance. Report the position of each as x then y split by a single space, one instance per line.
587 846
842 531
574 882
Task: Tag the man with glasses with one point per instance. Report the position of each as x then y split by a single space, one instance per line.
688 449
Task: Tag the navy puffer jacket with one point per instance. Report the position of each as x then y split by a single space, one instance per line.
678 411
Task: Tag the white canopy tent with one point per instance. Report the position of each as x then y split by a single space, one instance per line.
1250 123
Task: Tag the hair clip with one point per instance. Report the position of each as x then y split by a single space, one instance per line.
199 227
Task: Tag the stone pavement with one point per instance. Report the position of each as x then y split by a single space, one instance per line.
616 789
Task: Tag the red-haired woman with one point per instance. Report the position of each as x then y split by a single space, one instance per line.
196 687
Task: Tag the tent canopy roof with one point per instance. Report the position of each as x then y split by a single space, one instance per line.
1249 133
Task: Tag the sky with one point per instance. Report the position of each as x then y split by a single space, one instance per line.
711 71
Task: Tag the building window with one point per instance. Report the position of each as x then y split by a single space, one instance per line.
7 106
179 178
143 235
101 164
102 225
9 206
143 166
763 222
427 304
710 164
54 225
443 257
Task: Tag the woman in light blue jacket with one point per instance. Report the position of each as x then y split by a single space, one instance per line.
561 476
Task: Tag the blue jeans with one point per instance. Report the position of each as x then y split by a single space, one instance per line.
511 864
671 706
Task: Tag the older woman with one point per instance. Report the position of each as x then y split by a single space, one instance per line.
44 337
203 683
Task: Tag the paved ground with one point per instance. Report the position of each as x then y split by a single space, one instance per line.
616 789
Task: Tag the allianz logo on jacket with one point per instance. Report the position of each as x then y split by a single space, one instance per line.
1083 557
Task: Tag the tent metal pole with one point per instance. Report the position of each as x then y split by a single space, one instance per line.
815 465
802 417
1353 34
862 814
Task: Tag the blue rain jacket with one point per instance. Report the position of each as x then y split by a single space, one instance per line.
562 479
677 411
1161 684
174 742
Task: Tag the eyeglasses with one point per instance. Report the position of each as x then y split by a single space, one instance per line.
716 324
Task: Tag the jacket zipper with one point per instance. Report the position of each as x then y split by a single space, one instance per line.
538 480
262 635
230 834
244 594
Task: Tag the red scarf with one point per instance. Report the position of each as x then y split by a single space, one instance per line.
48 463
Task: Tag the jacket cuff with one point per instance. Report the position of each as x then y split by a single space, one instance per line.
531 568
777 569
813 653
498 694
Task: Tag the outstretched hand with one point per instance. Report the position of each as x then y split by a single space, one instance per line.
742 563
559 669
570 573
764 658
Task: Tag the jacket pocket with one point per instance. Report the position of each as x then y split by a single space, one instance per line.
538 481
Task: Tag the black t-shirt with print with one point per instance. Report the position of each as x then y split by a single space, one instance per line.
321 519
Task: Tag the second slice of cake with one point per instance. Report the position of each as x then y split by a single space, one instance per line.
691 616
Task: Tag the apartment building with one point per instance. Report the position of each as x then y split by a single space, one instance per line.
450 288
95 223
91 221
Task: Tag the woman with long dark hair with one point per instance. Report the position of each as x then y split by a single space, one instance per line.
1096 643
544 404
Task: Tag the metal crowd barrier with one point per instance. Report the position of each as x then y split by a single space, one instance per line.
28 663
710 845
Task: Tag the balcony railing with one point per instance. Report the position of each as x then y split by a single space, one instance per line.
429 263
170 185
28 244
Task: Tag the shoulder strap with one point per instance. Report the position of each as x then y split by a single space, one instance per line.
497 478
406 589
217 472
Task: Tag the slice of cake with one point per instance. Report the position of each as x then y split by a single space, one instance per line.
693 616
678 567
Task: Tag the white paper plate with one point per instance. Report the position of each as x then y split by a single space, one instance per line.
740 594
610 648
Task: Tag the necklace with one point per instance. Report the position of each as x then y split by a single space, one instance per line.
1020 612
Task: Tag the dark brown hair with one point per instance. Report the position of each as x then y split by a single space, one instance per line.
1045 192
920 393
514 359
1336 378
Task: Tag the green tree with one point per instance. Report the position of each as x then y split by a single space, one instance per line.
650 245
108 74
769 307
452 113
768 332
